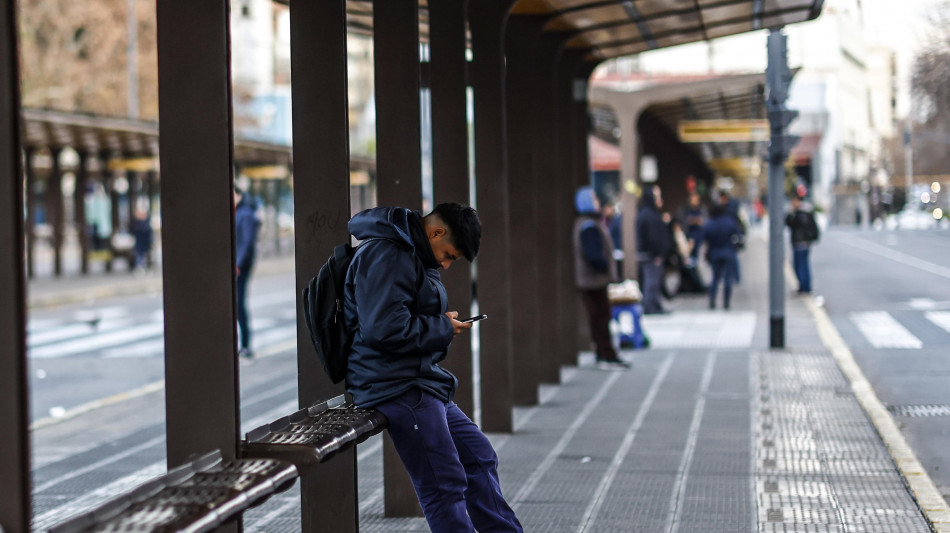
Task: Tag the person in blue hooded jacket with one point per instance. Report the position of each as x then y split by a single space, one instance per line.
594 269
247 225
396 307
722 235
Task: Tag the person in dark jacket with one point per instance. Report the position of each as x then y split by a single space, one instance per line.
246 227
721 234
142 231
653 245
594 269
396 307
801 221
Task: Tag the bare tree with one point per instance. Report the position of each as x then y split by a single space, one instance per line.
931 96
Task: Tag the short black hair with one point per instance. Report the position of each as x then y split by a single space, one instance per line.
464 226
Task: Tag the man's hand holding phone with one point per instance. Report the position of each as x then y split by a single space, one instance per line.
466 323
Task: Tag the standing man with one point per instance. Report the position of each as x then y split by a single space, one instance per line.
722 234
395 305
246 228
594 269
653 245
801 221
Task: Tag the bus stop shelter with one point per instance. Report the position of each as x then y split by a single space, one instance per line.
530 63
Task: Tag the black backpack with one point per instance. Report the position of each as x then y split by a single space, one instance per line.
323 312
809 227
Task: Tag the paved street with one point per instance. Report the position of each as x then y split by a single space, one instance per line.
710 432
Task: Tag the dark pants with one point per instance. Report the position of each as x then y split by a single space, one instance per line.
724 269
598 319
452 465
652 278
802 268
243 327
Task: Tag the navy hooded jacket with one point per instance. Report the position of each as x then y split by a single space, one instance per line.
246 227
395 304
653 236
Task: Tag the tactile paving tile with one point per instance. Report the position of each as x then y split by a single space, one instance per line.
820 465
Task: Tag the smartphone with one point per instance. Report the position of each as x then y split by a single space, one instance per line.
473 319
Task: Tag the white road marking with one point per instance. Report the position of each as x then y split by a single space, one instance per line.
894 255
940 318
597 501
884 331
98 342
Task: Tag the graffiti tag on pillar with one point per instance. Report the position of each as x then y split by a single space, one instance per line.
321 222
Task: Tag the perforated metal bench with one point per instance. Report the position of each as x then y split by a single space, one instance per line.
195 497
313 435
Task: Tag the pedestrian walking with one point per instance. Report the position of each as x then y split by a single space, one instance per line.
722 234
653 245
594 269
692 218
247 225
396 306
801 220
142 231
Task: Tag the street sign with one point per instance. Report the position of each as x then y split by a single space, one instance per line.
723 131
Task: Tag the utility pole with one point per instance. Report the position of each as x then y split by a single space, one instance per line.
778 78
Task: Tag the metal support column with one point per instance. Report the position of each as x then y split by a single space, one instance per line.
14 394
487 25
521 37
321 211
79 211
552 212
398 167
201 376
566 184
29 171
54 209
778 77
450 165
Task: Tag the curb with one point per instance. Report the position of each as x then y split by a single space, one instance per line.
929 499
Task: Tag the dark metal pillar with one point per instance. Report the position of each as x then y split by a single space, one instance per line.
79 211
29 171
106 175
398 149
580 161
551 211
151 183
132 195
487 20
450 165
54 209
201 378
14 394
521 36
321 211
565 184
398 166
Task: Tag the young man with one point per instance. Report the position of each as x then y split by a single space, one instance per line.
804 232
395 304
246 227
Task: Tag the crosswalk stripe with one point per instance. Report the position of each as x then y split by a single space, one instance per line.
940 318
97 342
72 331
883 331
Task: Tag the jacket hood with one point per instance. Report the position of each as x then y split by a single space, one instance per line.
390 223
648 200
584 201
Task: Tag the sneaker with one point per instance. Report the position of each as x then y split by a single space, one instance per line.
245 353
614 365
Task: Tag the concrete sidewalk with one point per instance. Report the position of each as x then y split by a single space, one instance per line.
711 431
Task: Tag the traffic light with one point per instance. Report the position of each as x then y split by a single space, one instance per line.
777 74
